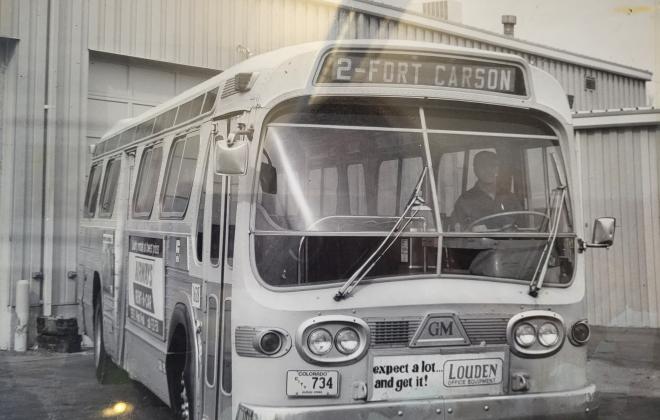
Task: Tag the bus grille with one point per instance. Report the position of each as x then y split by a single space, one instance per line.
392 333
398 333
244 337
487 330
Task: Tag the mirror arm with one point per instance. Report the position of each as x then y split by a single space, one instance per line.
582 245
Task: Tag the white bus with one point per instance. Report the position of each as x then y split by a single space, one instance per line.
340 230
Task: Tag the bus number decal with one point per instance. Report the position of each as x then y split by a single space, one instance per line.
146 298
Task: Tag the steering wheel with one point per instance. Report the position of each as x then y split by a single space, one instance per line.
481 220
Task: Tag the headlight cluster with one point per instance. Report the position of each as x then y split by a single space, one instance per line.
547 334
332 339
346 341
536 333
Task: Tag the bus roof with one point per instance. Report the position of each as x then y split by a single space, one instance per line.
302 59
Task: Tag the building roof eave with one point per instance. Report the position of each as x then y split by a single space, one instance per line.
492 38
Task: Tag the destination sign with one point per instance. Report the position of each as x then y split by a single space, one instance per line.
421 70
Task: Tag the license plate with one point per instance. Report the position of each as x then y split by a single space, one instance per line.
436 375
312 383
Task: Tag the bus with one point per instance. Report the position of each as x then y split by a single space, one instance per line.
347 229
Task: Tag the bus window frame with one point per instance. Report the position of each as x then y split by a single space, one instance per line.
173 215
138 179
100 165
104 188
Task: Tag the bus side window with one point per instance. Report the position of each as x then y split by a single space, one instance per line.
387 187
357 195
179 177
147 181
92 190
109 190
231 218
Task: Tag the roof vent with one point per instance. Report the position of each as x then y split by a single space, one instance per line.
508 21
451 10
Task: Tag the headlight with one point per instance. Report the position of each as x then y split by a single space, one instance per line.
525 334
319 341
548 334
347 340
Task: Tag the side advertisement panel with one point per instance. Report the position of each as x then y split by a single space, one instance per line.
146 284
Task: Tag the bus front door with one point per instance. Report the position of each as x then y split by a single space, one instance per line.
213 287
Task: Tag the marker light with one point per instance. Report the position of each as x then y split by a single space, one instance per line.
319 341
580 333
270 342
548 334
347 340
525 334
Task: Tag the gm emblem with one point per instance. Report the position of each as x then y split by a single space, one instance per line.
440 330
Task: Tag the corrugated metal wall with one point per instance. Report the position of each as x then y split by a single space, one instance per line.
23 145
5 315
8 18
205 33
620 174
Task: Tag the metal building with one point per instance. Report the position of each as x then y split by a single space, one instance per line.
70 69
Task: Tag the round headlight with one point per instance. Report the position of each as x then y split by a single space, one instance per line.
270 342
319 341
548 334
347 340
525 334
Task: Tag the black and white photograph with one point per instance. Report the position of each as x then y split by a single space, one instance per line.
329 209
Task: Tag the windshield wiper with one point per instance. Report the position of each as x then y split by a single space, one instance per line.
542 266
402 222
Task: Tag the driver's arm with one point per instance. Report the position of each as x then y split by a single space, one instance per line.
460 217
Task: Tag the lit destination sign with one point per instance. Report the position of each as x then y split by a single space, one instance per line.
421 70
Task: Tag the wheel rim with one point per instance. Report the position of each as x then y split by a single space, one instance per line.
97 341
185 406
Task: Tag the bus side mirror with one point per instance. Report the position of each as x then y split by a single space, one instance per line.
231 155
603 235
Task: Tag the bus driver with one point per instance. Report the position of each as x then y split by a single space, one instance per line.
483 199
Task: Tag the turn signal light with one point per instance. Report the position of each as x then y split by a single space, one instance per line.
580 333
269 342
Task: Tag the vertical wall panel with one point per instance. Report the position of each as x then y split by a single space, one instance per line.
623 284
9 18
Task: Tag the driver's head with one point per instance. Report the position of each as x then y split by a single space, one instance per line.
486 166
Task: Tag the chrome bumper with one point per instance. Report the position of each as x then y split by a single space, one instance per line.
575 404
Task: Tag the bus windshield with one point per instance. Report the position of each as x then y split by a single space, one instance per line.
335 178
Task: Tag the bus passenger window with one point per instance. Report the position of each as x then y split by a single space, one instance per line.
357 196
147 181
92 190
231 219
387 183
109 191
179 176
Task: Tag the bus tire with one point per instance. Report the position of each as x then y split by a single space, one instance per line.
180 365
106 370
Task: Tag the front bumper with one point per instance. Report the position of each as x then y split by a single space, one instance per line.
575 404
